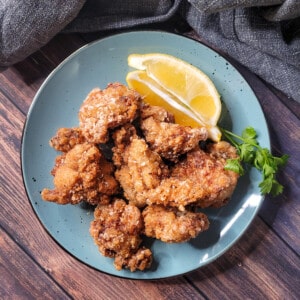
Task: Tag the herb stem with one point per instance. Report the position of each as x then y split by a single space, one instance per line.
229 135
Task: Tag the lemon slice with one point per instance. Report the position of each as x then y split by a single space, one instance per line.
154 94
188 85
186 82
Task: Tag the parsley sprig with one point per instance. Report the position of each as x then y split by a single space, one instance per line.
252 154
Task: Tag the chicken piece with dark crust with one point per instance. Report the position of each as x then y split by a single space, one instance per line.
170 225
106 109
168 139
138 168
66 138
140 260
200 179
116 231
82 174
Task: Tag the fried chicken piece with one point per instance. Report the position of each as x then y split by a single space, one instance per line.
200 179
140 260
122 139
139 168
207 168
82 174
106 109
116 231
171 140
157 112
170 225
66 138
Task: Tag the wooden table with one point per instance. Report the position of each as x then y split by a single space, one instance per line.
263 264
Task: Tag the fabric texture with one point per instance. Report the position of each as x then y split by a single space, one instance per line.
101 15
262 38
25 26
263 35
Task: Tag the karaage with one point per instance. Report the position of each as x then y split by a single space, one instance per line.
106 109
66 138
170 225
116 230
157 112
158 168
82 174
171 140
200 179
138 168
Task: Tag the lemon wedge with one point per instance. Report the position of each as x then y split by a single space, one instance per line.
167 81
154 94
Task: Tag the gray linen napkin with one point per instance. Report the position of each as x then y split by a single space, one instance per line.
264 38
27 25
263 35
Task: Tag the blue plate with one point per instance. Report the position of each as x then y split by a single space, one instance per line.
56 105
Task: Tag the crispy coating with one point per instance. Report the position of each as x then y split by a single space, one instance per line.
157 112
106 109
139 168
171 225
82 174
66 138
171 140
159 167
200 179
140 260
116 231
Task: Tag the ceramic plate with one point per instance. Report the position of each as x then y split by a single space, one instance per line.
56 105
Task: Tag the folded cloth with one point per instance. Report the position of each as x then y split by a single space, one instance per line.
265 38
25 26
98 15
262 35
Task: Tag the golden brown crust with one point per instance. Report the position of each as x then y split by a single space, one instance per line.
200 179
158 167
171 225
171 140
66 138
157 112
116 230
166 138
106 109
82 174
139 168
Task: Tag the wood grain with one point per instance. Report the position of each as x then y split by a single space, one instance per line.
282 212
21 277
246 272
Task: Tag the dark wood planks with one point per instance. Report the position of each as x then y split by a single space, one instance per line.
282 213
259 266
21 81
21 277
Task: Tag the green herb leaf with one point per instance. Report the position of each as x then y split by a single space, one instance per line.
268 170
234 165
247 153
266 186
253 154
277 188
281 161
249 133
